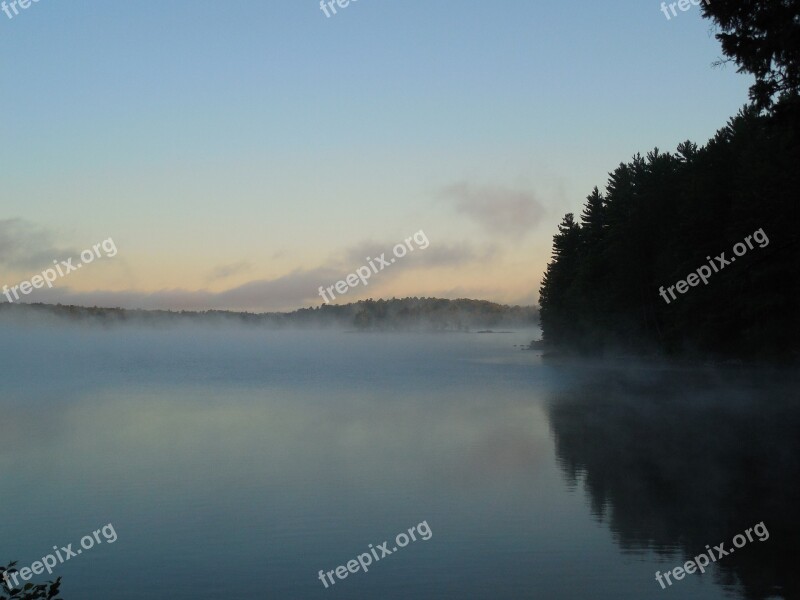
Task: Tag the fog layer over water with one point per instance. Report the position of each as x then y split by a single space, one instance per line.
240 463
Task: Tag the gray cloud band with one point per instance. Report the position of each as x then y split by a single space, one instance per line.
364 272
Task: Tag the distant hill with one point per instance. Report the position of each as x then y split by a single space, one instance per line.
397 314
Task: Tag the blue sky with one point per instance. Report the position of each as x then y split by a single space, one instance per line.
268 142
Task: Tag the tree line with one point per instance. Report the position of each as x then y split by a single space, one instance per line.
663 215
395 314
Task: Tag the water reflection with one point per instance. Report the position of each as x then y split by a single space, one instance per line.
238 460
675 460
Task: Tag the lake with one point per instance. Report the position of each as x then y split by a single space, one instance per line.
239 463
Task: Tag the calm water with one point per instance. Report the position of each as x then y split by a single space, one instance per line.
239 464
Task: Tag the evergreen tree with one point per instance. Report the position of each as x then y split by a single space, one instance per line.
763 38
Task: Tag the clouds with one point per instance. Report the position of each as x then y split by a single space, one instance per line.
433 261
24 246
435 256
225 271
293 290
290 291
499 210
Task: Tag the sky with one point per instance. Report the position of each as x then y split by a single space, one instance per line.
242 154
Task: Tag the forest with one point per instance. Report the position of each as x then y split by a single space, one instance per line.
395 314
664 215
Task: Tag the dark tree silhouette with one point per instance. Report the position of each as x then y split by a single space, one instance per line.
29 591
659 219
763 38
556 295
662 216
